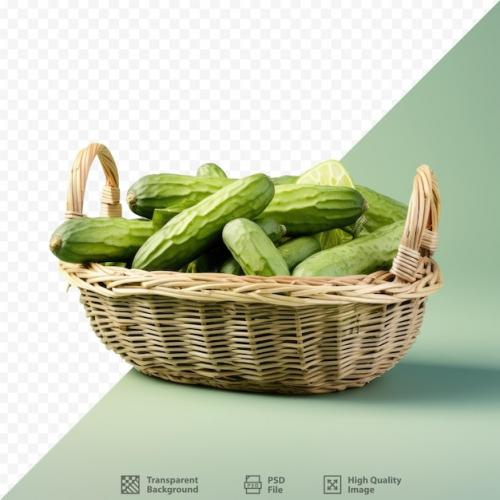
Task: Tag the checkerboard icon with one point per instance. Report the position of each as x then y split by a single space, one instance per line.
130 485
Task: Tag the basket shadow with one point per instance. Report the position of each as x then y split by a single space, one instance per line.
407 384
412 382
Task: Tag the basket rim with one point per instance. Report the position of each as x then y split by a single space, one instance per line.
379 287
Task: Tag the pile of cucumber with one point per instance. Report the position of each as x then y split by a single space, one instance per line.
302 226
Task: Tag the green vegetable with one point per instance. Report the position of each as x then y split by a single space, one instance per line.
99 239
231 266
307 208
252 249
211 170
284 179
298 249
332 238
360 256
202 264
192 231
164 190
170 194
382 210
116 264
162 215
273 230
330 173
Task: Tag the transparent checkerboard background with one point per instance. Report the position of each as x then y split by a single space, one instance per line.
167 86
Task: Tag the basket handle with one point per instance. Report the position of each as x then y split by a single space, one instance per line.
420 232
110 198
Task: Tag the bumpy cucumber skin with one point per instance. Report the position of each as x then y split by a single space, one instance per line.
299 249
382 210
273 229
99 239
162 215
253 250
332 238
163 190
360 256
211 170
192 231
178 192
306 209
284 179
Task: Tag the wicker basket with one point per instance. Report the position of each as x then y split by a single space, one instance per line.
277 334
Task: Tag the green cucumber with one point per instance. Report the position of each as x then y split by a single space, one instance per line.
332 238
162 215
172 193
382 210
306 209
164 190
299 249
99 239
273 230
192 231
284 179
211 170
231 266
202 264
253 249
362 255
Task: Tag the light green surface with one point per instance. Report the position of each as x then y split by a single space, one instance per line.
434 420
432 425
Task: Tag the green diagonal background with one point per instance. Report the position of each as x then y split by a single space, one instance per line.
434 420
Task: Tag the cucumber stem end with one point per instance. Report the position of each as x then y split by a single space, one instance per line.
55 243
131 199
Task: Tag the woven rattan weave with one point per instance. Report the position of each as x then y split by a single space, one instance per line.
279 334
